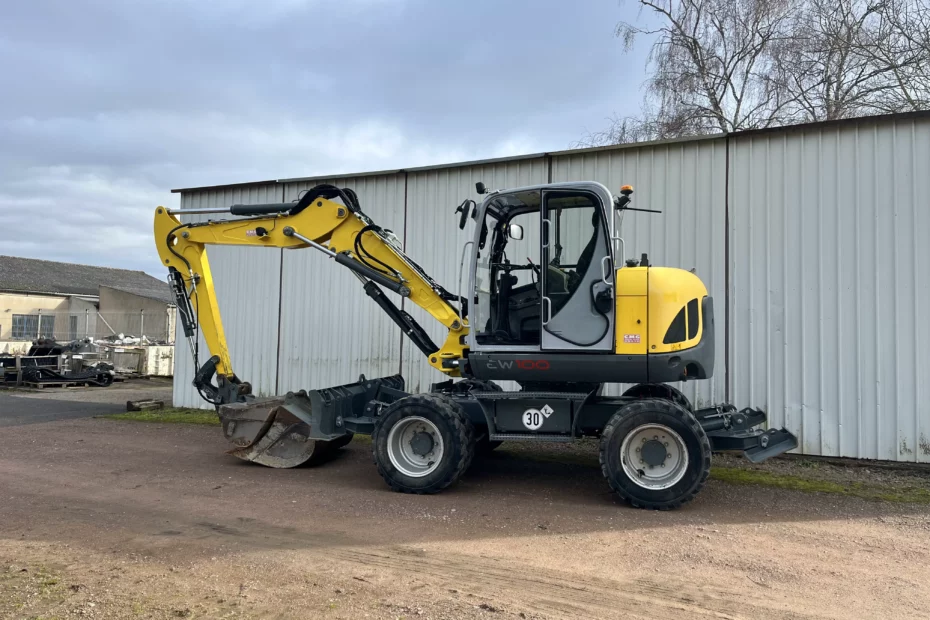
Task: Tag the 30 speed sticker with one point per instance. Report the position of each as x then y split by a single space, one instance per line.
533 418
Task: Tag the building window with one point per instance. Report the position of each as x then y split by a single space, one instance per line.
28 326
25 326
47 326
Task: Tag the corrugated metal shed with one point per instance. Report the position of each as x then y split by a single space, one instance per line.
808 238
828 326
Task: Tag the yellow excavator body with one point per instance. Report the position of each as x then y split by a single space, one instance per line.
560 326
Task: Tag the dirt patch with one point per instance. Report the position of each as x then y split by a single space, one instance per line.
155 521
54 583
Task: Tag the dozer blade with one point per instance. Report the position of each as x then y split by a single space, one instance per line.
264 432
732 430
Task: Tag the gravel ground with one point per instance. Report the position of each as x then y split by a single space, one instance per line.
107 519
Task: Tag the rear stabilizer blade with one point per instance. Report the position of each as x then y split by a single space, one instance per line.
731 430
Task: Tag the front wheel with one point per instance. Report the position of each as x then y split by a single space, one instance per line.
423 443
655 454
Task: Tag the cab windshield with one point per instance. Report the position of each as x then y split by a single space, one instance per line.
507 271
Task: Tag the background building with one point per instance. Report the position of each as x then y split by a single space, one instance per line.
64 301
810 239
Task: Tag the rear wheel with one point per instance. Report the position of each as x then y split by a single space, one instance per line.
655 454
659 390
423 443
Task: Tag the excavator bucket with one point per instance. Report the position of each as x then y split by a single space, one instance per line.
264 432
303 427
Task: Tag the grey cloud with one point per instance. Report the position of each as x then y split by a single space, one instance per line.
108 104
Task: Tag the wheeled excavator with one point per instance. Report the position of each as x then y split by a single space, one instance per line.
551 307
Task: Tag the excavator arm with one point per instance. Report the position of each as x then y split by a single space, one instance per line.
325 219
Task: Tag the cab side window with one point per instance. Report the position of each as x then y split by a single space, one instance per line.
576 225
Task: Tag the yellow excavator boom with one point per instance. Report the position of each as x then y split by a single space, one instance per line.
321 220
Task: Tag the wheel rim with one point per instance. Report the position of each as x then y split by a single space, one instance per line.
415 446
654 456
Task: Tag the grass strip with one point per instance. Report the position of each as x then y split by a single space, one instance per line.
888 493
174 415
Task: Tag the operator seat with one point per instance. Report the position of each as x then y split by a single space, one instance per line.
501 325
584 260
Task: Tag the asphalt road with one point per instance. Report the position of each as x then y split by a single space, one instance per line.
16 410
56 404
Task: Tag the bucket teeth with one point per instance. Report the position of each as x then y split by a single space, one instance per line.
282 446
264 432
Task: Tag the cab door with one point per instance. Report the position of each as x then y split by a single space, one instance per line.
578 302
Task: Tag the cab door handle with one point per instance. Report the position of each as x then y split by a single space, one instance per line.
605 270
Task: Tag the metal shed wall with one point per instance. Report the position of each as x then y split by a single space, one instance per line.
247 282
331 332
817 229
828 327
686 181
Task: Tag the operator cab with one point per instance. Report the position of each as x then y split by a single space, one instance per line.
542 270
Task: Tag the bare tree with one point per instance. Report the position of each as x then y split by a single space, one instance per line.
846 58
620 130
903 46
653 123
710 62
727 65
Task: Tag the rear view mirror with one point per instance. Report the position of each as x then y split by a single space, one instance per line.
515 231
463 209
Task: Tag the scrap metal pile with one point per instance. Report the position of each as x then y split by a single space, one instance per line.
41 364
100 374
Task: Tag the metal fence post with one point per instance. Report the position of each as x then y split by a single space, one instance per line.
141 326
19 370
39 325
86 323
